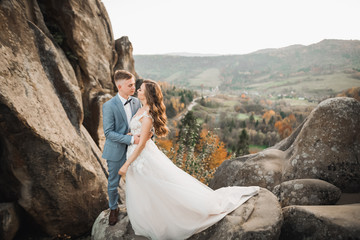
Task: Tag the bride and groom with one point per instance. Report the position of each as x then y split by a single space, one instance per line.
162 201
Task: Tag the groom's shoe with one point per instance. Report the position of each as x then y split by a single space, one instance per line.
113 217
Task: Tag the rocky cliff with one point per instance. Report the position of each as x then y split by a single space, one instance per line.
317 165
57 59
313 177
56 65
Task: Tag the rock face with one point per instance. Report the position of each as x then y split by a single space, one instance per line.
313 166
56 63
102 230
9 221
326 146
321 222
263 169
259 218
307 192
125 59
83 30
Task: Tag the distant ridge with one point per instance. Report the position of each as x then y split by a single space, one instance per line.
268 50
186 54
313 71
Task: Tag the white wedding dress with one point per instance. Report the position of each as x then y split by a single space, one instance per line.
164 202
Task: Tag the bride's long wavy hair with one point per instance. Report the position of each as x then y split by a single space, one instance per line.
154 99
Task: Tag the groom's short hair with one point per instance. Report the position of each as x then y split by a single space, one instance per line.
122 75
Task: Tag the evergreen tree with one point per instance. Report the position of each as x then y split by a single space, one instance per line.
243 144
189 133
252 118
271 121
202 101
182 99
188 138
170 110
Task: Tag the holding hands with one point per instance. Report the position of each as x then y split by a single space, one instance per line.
126 165
124 169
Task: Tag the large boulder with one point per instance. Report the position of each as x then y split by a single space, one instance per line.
328 145
325 146
258 218
48 163
263 169
121 230
321 222
307 192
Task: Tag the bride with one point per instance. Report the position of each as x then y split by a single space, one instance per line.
164 202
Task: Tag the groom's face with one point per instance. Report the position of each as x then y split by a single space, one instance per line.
128 87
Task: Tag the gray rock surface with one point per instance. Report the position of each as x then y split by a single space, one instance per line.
263 169
121 230
50 165
259 218
326 146
321 222
83 30
125 59
307 192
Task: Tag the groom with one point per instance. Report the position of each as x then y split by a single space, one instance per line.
117 113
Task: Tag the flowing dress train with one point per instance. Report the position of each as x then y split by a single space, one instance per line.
164 202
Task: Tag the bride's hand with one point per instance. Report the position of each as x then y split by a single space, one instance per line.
123 170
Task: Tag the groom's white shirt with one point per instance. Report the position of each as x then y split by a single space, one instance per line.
128 112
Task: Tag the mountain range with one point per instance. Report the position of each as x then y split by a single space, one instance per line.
312 71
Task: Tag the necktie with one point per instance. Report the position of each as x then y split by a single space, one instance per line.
127 101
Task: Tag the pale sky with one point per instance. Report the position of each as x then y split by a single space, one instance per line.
230 26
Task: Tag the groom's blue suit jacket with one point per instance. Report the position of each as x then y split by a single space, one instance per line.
116 127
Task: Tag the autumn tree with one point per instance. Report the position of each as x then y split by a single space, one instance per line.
211 149
267 115
284 126
189 134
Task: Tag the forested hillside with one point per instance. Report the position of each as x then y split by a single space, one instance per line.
318 70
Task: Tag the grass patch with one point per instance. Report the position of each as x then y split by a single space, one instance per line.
256 148
208 78
243 116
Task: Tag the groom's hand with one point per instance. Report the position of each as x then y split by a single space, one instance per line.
136 139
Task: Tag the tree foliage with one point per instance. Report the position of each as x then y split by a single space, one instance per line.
195 150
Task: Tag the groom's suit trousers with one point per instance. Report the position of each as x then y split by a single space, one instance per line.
113 182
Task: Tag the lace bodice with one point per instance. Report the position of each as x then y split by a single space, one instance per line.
135 124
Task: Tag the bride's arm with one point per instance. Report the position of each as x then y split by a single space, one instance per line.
144 136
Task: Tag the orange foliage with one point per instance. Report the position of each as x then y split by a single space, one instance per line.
176 104
269 102
284 126
292 118
164 143
168 146
353 92
267 115
218 154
